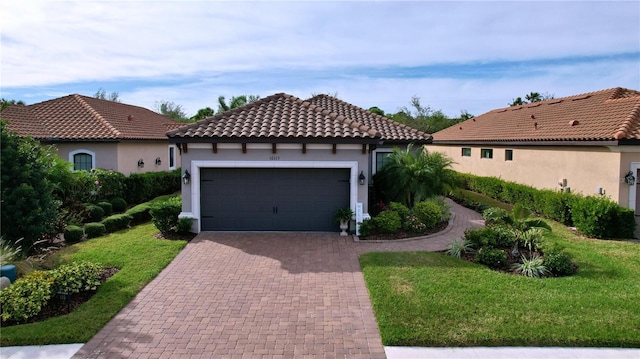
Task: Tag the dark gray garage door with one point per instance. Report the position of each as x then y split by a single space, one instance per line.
272 199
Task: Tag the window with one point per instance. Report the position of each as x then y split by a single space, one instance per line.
486 153
172 157
466 152
381 159
83 160
508 155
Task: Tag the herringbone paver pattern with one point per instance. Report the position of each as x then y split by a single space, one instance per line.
259 295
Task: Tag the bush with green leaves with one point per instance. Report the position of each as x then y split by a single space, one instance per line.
367 228
94 229
445 208
117 222
76 277
492 258
387 222
184 225
402 210
106 207
492 236
600 217
73 234
141 187
118 204
95 212
165 214
413 224
109 183
558 263
533 267
428 213
140 213
26 297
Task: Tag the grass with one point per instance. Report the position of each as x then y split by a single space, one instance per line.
430 299
138 255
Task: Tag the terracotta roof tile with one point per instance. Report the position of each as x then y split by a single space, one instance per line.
606 115
77 117
276 116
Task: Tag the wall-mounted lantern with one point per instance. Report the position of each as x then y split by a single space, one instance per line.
141 163
158 161
186 177
630 179
361 178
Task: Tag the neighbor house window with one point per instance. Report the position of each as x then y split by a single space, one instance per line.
508 155
486 153
172 157
466 152
381 159
83 160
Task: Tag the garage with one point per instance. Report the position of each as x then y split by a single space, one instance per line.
272 199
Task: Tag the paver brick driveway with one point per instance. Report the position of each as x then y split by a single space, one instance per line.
254 295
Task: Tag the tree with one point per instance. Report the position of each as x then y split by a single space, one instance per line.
5 103
410 176
102 95
423 118
171 110
202 114
235 101
531 98
28 210
376 110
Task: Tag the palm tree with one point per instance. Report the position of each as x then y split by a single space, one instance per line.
235 101
520 224
410 176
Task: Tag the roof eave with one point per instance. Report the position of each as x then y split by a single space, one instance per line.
343 140
530 142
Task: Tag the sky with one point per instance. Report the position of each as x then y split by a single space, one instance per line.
455 56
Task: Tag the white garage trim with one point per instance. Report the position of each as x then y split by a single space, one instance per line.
196 166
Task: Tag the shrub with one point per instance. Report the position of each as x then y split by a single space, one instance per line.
109 183
140 213
26 297
95 213
445 208
428 213
458 247
558 263
489 237
116 222
532 267
492 258
165 214
184 225
600 217
118 204
73 234
367 228
76 277
106 207
94 229
413 224
387 222
141 187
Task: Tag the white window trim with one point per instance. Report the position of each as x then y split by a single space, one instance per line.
175 157
374 160
196 166
93 156
634 167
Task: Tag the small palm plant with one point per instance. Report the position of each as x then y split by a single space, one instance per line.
520 223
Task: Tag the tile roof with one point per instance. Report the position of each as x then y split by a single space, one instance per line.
82 118
607 115
285 116
279 116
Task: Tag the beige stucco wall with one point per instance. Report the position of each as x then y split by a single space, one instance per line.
262 154
123 156
584 168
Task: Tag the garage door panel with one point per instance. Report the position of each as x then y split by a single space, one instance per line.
282 199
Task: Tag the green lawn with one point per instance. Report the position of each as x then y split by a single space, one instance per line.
138 255
430 299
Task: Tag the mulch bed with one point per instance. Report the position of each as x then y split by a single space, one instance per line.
59 306
401 235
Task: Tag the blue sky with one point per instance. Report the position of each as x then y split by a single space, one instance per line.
473 55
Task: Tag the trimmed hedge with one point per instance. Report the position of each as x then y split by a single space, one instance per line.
95 213
140 213
73 234
593 216
118 204
142 187
117 222
106 207
93 229
165 214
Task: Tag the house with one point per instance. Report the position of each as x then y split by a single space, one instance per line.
93 133
283 164
588 143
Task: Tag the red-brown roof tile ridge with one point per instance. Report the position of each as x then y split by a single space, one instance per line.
97 115
369 113
630 126
346 120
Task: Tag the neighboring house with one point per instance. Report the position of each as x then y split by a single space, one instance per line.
93 133
587 143
283 164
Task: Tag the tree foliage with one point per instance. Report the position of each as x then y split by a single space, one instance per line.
424 118
235 101
103 95
4 102
202 114
171 110
531 98
29 209
410 176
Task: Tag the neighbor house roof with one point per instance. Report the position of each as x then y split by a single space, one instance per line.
81 118
287 118
611 116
